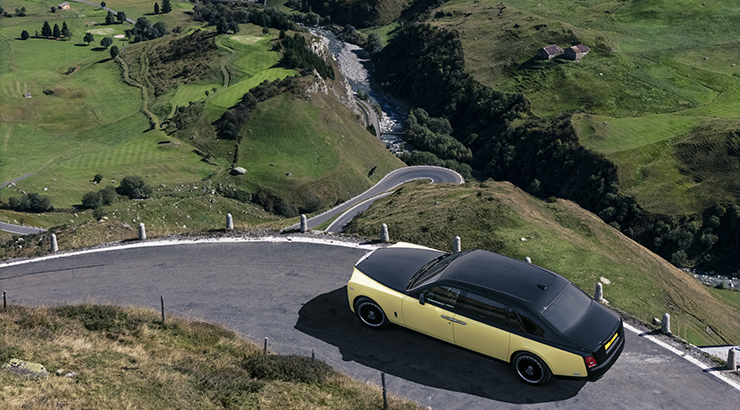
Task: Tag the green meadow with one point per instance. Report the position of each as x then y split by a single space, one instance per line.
80 118
89 114
658 73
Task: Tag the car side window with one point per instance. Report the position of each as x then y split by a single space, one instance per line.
485 309
531 327
442 296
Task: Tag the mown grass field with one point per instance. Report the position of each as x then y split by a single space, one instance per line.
562 237
128 358
656 71
88 121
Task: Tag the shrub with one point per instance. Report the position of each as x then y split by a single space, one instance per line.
32 202
289 368
100 317
92 200
134 187
108 195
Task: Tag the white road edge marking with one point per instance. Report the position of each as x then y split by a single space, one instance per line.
691 359
294 239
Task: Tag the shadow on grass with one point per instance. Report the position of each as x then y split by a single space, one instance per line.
421 359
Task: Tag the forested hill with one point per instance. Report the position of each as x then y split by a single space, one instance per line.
425 66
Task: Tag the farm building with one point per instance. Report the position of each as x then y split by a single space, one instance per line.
576 52
549 52
64 6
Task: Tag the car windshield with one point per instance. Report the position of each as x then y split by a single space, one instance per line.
432 269
567 308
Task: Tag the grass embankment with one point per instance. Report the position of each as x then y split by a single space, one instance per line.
184 210
658 73
559 236
126 358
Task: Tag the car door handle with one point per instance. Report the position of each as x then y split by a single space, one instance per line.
453 320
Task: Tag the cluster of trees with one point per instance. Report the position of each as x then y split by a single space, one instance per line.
144 30
360 13
435 145
112 18
298 55
96 199
133 187
544 157
48 31
237 13
32 202
230 124
166 7
371 43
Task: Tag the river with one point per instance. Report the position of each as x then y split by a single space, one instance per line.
354 63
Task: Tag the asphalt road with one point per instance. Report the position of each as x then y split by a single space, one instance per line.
388 183
293 294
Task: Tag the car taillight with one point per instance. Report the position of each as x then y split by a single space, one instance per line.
590 362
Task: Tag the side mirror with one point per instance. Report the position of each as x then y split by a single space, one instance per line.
422 298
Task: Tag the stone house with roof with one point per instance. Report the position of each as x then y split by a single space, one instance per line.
549 52
576 52
64 6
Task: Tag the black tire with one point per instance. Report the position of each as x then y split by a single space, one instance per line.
370 313
531 369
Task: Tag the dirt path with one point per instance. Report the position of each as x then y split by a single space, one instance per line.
153 119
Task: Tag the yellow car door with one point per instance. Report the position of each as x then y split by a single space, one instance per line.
481 325
432 313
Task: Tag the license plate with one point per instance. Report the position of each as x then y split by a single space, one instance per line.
609 343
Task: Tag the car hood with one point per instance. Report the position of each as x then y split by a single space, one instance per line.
595 328
394 267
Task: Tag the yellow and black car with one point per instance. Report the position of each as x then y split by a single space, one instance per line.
510 310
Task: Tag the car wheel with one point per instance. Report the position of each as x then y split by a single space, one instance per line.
370 313
531 369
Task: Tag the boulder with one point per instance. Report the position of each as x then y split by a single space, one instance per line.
25 369
238 171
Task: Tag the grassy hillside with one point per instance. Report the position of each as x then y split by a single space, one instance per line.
126 358
559 236
658 74
89 114
81 118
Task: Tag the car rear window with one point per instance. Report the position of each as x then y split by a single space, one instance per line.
567 308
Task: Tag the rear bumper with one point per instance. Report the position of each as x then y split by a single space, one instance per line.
595 373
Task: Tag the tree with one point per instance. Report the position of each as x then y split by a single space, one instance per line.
114 52
65 30
56 32
102 4
53 9
156 8
97 178
106 42
110 18
374 44
134 187
88 38
166 6
46 30
121 16
24 35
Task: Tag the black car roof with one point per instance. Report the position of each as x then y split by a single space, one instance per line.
502 274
